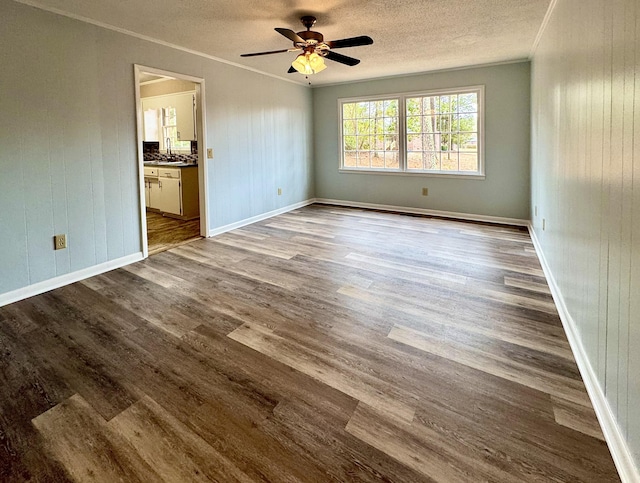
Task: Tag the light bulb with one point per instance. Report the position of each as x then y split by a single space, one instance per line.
301 64
308 63
317 63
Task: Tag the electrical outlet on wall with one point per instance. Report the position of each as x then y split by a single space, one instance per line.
279 191
210 153
425 191
59 242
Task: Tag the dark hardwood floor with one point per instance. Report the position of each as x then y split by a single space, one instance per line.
164 232
326 344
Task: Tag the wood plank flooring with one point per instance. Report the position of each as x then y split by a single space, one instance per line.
325 344
164 232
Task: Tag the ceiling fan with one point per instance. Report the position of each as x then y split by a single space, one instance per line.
315 49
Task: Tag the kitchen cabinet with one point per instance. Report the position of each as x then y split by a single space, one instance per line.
154 194
151 188
170 196
173 191
185 105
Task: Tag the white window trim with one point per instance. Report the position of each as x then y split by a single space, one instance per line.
402 151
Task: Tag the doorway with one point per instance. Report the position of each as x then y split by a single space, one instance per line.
171 117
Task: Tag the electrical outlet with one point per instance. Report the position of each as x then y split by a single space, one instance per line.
210 153
279 191
59 242
425 191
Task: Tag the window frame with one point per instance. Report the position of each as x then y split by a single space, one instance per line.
165 126
402 134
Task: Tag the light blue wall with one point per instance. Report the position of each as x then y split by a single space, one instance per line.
504 192
68 159
586 186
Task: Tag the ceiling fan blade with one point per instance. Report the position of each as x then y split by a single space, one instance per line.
291 35
265 53
291 70
351 42
343 59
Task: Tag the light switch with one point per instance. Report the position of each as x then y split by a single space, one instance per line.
210 153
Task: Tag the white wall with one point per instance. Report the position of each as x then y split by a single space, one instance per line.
586 186
505 191
68 156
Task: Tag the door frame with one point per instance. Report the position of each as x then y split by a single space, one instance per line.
203 181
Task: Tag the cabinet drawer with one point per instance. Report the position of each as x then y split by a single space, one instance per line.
150 172
169 172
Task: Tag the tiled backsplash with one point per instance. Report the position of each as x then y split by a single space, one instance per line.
185 158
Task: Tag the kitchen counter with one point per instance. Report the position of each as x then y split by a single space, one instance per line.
172 164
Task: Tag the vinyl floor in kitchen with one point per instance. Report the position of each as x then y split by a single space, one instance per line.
325 344
164 232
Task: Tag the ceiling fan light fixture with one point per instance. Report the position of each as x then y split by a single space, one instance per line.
317 63
308 63
301 64
314 48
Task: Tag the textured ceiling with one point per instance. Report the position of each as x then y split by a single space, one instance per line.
409 36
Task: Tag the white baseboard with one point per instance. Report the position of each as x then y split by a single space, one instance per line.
425 211
620 451
46 285
263 216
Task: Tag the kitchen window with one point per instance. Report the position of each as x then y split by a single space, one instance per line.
170 130
427 133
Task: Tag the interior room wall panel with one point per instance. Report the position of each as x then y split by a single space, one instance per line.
505 190
586 186
68 148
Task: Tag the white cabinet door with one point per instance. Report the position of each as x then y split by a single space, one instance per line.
154 194
150 124
185 116
170 197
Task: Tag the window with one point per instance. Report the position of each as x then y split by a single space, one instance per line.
170 130
162 121
430 133
370 134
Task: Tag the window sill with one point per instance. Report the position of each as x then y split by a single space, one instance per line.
429 174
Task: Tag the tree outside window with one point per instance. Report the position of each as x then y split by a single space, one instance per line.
434 132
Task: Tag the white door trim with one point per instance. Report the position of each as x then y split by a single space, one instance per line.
203 180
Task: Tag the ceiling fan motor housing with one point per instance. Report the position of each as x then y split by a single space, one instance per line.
308 35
